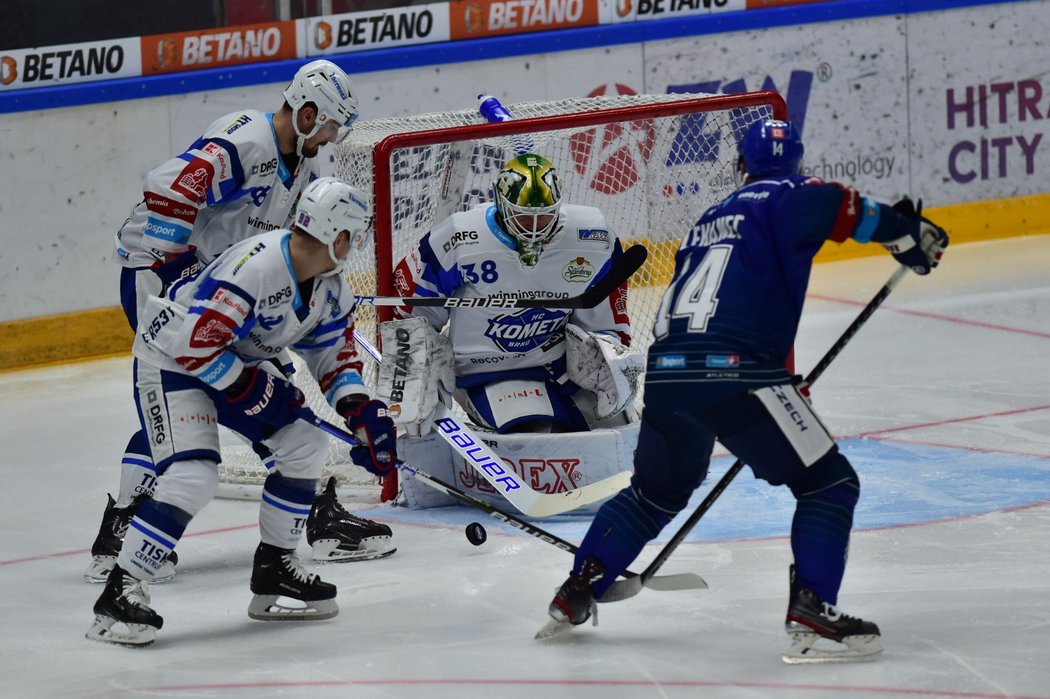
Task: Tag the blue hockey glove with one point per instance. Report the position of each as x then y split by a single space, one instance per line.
184 266
267 399
921 247
373 428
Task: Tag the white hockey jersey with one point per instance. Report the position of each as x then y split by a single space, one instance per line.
469 255
246 307
230 184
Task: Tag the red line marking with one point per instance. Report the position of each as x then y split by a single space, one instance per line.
935 316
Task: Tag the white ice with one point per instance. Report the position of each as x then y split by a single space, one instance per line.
942 403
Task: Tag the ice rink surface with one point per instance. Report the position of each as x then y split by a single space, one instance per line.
942 402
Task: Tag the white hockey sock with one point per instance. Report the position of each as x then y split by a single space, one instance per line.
138 475
285 506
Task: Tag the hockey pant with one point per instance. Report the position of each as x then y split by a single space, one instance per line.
180 416
776 433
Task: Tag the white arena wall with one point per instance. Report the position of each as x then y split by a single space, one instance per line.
952 106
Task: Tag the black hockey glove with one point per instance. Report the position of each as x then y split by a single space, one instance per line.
921 247
373 428
268 399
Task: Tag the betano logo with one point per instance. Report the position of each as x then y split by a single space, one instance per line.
322 35
8 70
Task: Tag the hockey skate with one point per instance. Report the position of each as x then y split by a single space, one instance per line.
574 602
338 536
810 619
278 574
104 551
122 613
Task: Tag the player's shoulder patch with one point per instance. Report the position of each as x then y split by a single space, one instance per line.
594 235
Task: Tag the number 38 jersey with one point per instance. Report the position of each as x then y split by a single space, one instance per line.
469 255
230 184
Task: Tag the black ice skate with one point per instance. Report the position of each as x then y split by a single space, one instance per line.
122 613
104 551
338 536
278 574
810 619
574 602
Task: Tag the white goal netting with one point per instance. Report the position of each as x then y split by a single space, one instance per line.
651 163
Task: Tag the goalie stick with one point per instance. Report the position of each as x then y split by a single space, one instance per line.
506 482
632 586
621 269
680 581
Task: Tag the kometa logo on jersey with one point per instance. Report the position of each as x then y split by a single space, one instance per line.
526 330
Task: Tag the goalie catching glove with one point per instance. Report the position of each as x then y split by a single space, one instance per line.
921 248
598 362
270 400
368 421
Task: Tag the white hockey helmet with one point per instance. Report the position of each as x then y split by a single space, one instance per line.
328 87
329 206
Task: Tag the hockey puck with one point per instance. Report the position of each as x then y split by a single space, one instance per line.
476 534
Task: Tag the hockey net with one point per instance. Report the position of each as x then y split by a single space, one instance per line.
651 163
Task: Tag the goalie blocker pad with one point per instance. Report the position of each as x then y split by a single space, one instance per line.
415 374
549 463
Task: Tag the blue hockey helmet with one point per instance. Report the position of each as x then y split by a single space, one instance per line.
771 148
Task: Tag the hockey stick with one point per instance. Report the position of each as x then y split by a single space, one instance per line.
506 482
619 271
632 586
680 581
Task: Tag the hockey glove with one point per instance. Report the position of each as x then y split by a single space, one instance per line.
373 428
921 247
184 266
269 400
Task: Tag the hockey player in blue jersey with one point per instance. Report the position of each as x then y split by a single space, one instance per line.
242 177
716 370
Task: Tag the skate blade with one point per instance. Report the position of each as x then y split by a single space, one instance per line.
276 608
109 630
552 629
802 649
328 551
99 568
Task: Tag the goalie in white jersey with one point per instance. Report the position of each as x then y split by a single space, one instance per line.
243 176
203 357
535 370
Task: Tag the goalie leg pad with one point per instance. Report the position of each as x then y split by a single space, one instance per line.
432 454
415 374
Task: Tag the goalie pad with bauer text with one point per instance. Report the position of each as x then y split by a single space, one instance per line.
599 363
548 463
415 374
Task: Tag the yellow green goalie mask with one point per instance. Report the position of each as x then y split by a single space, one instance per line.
528 196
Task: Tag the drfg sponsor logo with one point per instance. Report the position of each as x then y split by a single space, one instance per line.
154 414
551 476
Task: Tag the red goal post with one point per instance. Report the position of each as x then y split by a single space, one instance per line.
651 163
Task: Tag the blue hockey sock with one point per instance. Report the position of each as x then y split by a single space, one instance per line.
151 537
820 537
622 527
285 506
